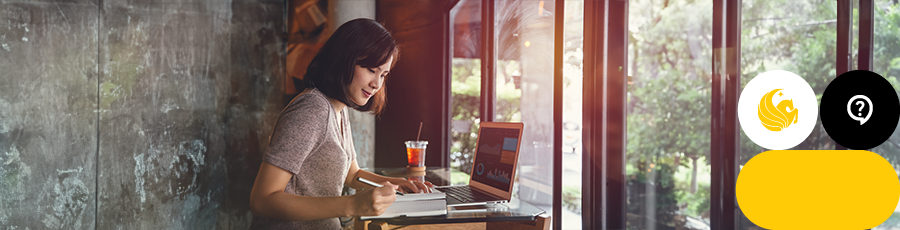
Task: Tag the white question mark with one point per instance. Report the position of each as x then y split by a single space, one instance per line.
862 120
861 105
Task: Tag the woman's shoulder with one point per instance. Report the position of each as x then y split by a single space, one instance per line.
311 96
309 101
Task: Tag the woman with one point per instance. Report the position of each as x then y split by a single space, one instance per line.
310 156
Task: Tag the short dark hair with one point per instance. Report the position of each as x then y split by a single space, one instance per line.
362 42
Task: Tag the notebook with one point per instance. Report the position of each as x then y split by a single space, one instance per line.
414 205
494 164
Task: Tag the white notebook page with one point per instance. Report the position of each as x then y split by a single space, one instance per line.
421 196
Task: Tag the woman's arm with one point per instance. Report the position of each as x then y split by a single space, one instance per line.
354 172
268 199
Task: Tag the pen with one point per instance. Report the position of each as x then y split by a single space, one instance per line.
368 182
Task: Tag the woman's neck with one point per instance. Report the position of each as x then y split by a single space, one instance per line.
338 105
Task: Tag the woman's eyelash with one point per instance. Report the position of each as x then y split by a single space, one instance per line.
373 71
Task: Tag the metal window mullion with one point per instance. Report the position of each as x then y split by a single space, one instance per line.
446 117
593 177
606 44
559 18
844 42
732 94
724 128
866 33
615 138
488 60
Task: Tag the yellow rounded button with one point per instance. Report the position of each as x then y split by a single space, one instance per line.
818 189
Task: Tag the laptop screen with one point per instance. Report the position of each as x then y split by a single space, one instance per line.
496 156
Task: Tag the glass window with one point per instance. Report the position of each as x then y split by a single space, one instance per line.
524 88
668 123
465 87
797 36
573 81
886 62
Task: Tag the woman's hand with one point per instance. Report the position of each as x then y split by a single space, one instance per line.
373 201
412 186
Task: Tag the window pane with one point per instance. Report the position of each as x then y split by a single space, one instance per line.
797 36
573 79
465 86
886 62
524 87
668 124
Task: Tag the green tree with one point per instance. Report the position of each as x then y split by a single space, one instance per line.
668 122
465 88
797 36
887 64
800 36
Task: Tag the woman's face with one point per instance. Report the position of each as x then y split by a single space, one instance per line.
367 81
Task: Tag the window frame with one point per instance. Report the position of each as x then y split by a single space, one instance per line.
604 115
604 118
558 41
724 127
489 96
844 42
488 61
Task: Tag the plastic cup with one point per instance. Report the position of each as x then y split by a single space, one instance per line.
415 154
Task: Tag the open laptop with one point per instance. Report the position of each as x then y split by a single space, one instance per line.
493 166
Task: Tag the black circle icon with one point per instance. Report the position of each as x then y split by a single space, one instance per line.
859 109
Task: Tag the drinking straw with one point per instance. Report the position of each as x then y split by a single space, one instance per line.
420 132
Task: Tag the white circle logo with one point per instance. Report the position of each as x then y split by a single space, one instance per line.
777 110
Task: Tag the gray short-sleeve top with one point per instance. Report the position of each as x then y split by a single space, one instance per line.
307 141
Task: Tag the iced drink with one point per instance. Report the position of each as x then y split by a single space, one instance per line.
415 154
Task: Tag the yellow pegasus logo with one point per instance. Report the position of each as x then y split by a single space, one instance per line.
778 117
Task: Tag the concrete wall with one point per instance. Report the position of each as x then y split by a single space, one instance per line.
124 114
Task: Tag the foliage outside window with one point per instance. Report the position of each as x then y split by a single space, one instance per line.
668 99
797 36
466 93
886 62
668 116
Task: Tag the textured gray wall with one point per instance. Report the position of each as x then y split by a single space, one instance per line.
124 114
48 123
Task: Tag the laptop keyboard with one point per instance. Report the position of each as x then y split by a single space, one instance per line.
465 194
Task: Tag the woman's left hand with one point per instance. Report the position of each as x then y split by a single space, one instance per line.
413 186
